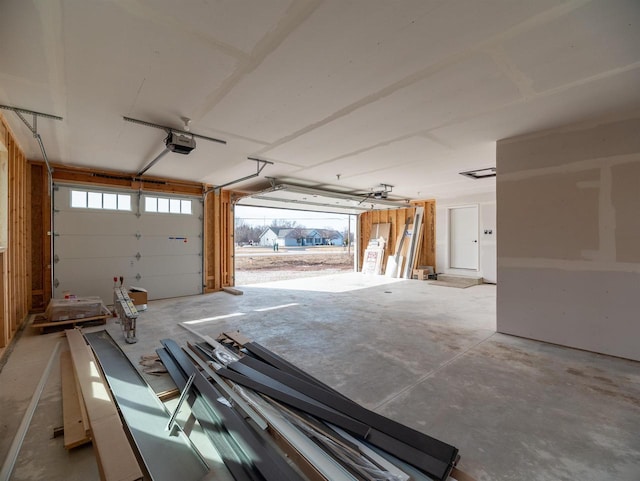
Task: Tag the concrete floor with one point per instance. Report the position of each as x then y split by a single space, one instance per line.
425 355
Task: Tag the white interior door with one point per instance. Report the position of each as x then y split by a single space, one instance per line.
160 251
463 236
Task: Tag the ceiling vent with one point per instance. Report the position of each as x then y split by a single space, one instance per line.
180 143
480 173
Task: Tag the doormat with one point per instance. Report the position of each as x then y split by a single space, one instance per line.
458 283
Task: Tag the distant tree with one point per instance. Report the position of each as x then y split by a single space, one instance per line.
345 235
246 233
286 224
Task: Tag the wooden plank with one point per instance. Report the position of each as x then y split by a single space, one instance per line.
217 241
169 394
116 460
37 239
429 255
75 433
3 131
83 408
461 475
231 290
95 393
236 337
73 322
308 468
5 329
228 237
111 178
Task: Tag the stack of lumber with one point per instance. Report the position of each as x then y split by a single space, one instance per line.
90 414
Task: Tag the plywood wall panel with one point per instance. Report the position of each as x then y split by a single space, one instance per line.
427 252
397 218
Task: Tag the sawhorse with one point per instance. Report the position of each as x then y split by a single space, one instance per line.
127 313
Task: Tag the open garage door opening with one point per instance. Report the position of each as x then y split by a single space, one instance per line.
279 244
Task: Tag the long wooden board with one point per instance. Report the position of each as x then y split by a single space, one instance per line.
42 324
116 460
75 433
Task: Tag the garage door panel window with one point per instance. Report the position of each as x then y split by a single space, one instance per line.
82 199
167 205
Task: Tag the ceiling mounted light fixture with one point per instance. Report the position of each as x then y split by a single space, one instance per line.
480 173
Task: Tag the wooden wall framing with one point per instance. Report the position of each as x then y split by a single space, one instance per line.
25 276
427 249
219 235
40 209
15 261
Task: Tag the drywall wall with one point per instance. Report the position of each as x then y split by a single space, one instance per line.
486 203
569 236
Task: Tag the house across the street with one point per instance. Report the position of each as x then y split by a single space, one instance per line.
293 237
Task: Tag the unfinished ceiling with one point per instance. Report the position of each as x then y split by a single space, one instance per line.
402 92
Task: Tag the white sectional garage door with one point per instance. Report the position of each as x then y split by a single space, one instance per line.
153 240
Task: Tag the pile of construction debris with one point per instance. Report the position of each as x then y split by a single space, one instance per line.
267 419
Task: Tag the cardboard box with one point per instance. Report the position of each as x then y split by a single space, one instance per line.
138 298
422 273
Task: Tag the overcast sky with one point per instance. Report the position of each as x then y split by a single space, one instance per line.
262 216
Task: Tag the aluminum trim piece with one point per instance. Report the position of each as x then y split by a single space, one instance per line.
244 407
246 376
238 466
270 464
282 364
166 455
418 440
298 401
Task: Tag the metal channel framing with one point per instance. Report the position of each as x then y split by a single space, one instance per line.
167 455
172 129
266 459
260 165
277 186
